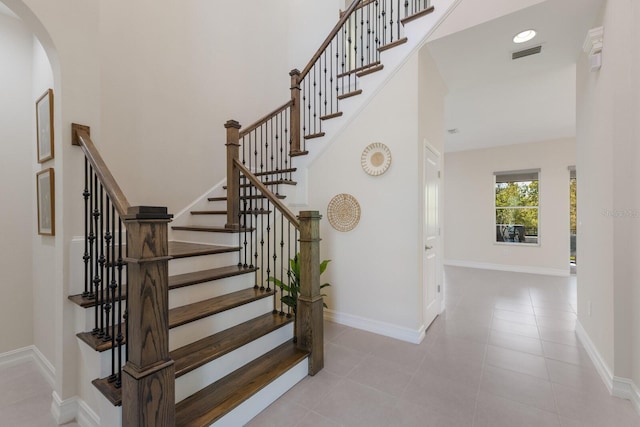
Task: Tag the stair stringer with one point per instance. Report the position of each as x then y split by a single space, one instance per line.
417 33
183 217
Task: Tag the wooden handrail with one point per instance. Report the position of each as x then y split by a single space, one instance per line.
80 135
329 38
264 190
260 122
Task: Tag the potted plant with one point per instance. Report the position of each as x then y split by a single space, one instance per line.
291 290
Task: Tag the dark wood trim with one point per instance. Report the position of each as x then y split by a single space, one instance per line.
370 70
80 136
358 69
309 321
244 132
315 135
392 44
349 94
295 110
331 116
148 377
233 175
327 41
416 15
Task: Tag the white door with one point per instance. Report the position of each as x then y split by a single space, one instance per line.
432 295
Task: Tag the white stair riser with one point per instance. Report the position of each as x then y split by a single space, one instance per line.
197 379
212 238
204 262
208 220
265 397
85 318
193 331
189 294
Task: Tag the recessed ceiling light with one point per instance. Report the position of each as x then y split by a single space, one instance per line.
524 36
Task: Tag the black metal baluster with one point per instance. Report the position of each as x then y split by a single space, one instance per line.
107 277
323 89
119 336
287 139
92 237
391 23
384 22
398 20
86 258
101 261
95 258
113 286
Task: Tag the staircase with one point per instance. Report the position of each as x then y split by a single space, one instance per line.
226 340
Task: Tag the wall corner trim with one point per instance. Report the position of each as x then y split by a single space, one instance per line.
398 332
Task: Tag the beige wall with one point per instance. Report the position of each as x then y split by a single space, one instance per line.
469 207
376 272
608 202
17 183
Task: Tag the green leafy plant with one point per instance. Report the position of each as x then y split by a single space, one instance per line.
291 290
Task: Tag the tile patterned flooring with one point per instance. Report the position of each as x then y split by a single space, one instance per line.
504 353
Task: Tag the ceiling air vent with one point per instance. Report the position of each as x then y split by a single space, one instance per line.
526 52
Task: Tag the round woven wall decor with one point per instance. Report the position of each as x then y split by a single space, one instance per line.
343 212
375 159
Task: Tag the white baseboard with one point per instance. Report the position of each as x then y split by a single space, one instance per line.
617 386
74 408
601 366
382 328
563 272
31 352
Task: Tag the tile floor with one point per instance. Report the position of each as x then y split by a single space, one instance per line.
504 353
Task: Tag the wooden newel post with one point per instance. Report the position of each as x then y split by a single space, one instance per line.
295 112
309 319
148 380
233 175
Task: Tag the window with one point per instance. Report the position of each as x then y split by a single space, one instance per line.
516 204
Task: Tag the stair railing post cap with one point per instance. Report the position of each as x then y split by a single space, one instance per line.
232 124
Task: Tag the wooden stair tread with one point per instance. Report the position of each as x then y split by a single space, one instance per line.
248 212
210 229
258 196
193 278
109 390
314 135
198 310
370 70
274 172
392 44
179 249
214 401
203 351
274 182
349 94
298 153
86 302
331 116
416 15
359 69
96 343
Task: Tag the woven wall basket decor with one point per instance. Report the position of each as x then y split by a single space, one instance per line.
343 212
376 159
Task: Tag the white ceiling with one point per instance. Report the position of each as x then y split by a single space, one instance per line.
494 100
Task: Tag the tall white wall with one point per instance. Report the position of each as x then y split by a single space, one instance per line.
469 207
608 202
376 268
17 184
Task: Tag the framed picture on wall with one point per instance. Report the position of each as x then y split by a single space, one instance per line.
44 124
46 202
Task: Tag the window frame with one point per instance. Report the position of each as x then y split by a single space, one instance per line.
515 174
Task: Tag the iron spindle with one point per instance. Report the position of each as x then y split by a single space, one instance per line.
92 236
106 289
96 263
113 287
86 258
101 261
